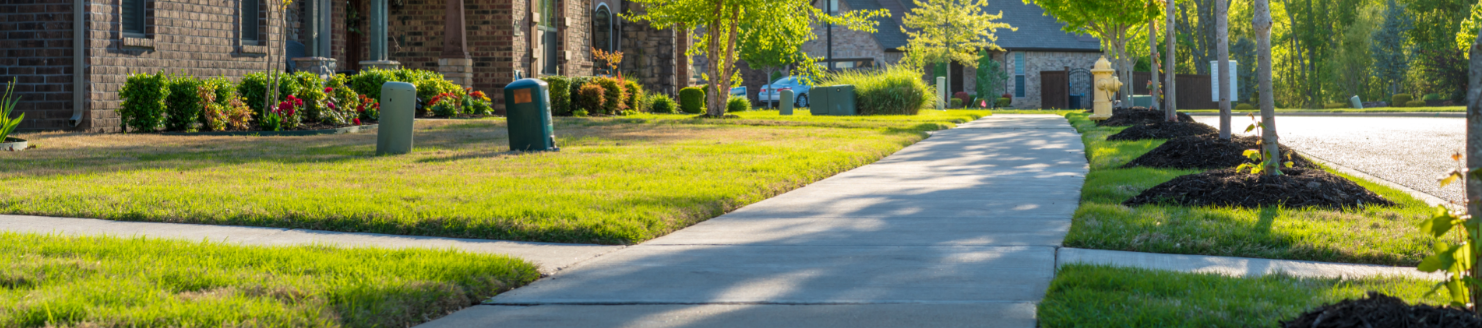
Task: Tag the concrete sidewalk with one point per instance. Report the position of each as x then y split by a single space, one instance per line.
549 257
958 230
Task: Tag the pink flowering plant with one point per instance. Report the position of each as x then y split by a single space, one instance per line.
286 116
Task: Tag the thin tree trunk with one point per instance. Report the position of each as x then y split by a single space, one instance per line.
1474 153
1222 49
1153 65
1171 112
1262 25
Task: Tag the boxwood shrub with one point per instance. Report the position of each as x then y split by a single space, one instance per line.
895 91
692 99
560 87
183 104
143 97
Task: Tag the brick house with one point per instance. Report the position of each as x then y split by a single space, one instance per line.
64 86
1038 45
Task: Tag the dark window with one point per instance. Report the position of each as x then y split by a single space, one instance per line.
1018 74
602 29
548 40
250 25
133 16
1018 85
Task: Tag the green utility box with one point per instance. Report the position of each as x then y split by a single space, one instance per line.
784 102
837 100
398 113
1142 101
528 105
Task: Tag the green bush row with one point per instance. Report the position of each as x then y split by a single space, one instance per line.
894 91
570 96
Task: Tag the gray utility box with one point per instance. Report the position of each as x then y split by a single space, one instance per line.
784 102
835 100
398 115
528 105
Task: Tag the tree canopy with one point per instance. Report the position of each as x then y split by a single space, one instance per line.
1112 21
941 31
716 26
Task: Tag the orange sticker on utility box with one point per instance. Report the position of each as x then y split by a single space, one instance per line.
522 96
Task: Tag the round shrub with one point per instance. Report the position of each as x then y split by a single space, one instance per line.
143 101
576 84
253 89
896 91
737 104
692 99
616 97
963 99
183 105
1431 97
1003 102
1244 106
1415 103
560 88
956 103
368 82
660 103
636 96
1401 100
592 98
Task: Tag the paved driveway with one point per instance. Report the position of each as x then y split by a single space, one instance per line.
1410 151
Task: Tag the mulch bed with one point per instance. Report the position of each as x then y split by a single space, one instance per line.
1379 310
1294 188
1162 130
1138 115
1207 151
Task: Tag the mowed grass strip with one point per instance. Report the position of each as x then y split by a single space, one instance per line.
1457 109
48 280
1098 296
1376 235
615 180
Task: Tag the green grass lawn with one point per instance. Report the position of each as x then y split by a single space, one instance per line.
1346 110
55 281
1096 296
617 180
1377 235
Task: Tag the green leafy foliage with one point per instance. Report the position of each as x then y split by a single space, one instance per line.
225 90
661 104
213 115
560 88
1391 60
956 103
942 31
990 76
1458 258
895 91
253 88
7 104
636 96
1110 21
1260 160
692 99
1003 102
1400 100
737 105
615 97
143 107
592 98
1244 106
1466 36
183 105
429 88
368 82
576 85
311 90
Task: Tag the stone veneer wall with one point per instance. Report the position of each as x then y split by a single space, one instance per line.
847 43
651 55
36 53
196 37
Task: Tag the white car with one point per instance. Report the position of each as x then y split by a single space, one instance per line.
799 87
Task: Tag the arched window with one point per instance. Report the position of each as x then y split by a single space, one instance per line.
602 29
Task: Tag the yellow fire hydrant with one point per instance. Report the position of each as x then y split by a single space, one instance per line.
1107 85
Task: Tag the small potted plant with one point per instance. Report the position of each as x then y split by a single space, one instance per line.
7 124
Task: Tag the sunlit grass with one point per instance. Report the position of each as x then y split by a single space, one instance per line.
48 281
1096 296
617 180
1345 110
1378 235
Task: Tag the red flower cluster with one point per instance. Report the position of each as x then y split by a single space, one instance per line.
364 100
289 106
328 89
440 97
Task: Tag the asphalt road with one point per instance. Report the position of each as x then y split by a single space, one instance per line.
1410 151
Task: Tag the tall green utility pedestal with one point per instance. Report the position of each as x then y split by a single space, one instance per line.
527 102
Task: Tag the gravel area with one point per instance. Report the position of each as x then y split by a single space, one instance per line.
1410 151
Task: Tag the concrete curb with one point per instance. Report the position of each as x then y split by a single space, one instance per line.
1374 114
1235 266
548 257
1427 198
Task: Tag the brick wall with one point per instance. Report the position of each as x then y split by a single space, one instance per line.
196 37
36 53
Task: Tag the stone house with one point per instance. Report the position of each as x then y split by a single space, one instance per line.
70 57
1038 45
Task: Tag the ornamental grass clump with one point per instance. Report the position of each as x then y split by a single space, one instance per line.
7 103
661 103
737 104
895 91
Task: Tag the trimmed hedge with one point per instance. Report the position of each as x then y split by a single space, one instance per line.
560 88
692 99
143 101
183 104
737 104
895 91
1003 102
1415 103
1244 106
1400 100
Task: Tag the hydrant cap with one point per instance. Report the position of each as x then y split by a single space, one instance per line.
1102 64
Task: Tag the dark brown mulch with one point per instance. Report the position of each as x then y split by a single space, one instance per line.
1162 130
1379 310
1294 188
1138 115
1207 151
